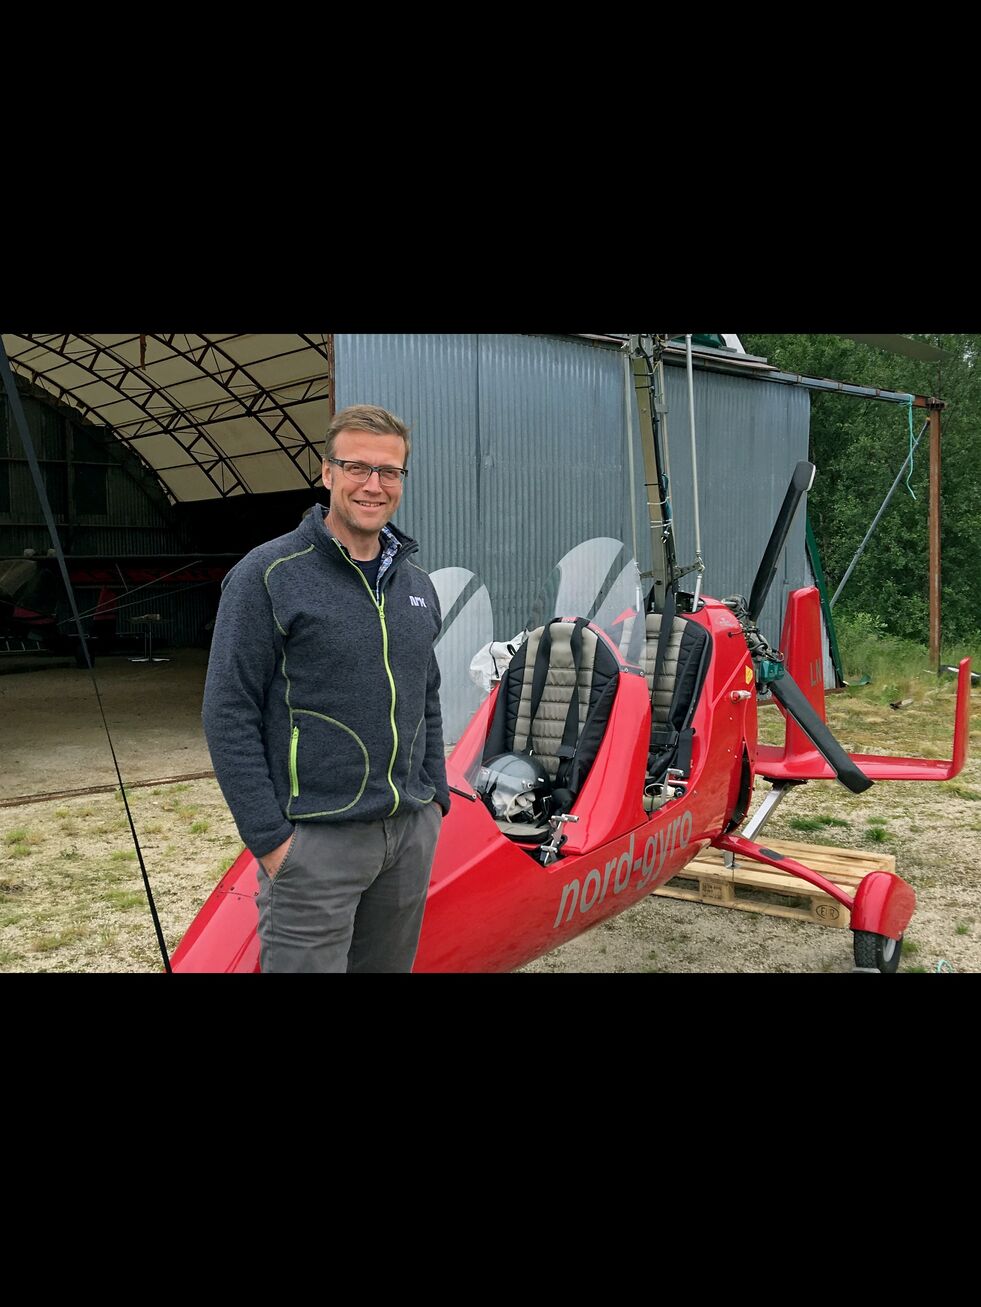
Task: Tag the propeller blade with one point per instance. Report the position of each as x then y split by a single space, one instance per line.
913 349
800 483
786 691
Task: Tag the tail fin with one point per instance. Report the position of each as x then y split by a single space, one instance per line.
801 645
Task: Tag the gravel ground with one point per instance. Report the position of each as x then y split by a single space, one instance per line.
72 899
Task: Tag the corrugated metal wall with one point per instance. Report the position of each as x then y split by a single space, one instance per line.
521 453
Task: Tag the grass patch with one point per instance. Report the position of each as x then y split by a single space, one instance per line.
118 873
899 669
910 947
962 792
21 850
123 855
15 837
815 823
199 827
48 943
123 899
962 928
876 834
180 809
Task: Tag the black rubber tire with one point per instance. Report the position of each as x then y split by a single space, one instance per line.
877 952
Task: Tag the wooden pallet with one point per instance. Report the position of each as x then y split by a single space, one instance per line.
751 887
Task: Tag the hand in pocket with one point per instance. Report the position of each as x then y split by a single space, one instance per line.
272 862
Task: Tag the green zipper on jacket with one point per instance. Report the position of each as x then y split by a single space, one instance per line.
391 681
294 779
388 670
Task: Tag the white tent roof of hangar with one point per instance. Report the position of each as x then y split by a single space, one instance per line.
212 415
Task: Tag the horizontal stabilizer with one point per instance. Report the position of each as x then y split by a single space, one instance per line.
806 764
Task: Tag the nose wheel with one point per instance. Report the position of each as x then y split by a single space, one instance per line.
876 952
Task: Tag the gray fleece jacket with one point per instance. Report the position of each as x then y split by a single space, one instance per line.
321 701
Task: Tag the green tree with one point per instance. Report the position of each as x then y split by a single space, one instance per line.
859 445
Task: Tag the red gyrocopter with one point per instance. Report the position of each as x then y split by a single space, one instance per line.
619 741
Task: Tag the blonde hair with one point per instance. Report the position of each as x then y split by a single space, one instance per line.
366 417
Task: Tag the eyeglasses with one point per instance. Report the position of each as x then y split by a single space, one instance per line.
360 472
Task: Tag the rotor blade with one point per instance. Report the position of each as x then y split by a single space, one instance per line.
786 691
913 349
800 483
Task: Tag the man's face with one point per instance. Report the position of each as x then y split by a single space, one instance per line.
363 509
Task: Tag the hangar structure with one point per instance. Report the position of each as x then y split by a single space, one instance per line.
162 445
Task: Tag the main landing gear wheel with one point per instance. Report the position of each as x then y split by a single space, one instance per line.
877 952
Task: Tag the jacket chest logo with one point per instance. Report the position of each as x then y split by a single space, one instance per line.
417 601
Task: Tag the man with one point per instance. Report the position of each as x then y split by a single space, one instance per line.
321 711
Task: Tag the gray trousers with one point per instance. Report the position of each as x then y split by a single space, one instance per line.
349 895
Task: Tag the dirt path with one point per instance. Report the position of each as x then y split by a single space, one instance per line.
54 739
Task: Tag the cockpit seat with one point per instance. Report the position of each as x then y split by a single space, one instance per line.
554 702
674 698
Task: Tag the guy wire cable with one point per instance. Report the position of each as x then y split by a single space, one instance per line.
17 408
121 608
145 586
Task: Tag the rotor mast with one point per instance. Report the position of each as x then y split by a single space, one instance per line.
647 370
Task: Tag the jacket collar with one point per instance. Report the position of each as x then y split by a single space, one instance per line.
314 531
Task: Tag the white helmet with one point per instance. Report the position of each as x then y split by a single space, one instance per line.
515 787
